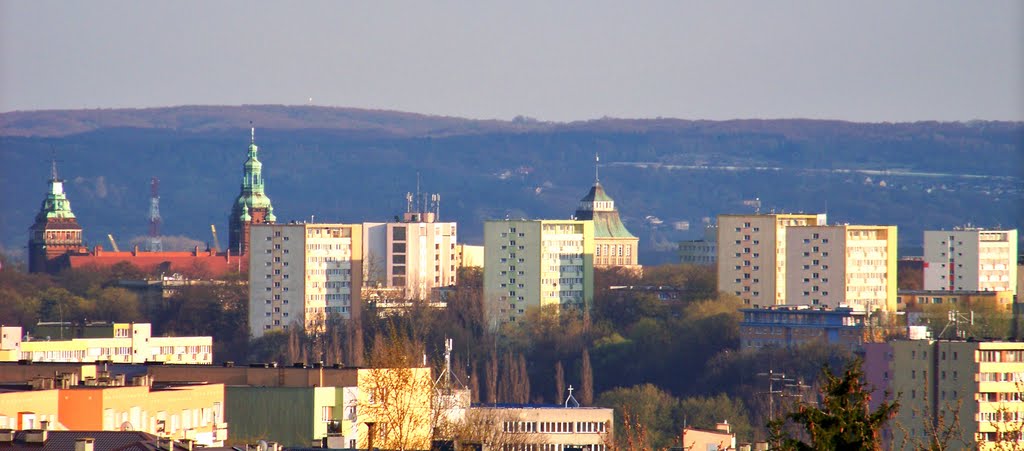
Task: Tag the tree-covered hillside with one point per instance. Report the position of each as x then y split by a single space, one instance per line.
332 164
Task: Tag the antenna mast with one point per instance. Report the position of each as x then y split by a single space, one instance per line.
597 168
155 244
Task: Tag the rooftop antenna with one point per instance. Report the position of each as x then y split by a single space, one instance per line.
419 198
437 206
408 202
445 379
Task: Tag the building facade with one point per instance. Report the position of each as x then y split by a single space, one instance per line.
303 274
126 343
252 206
184 412
537 263
703 251
416 255
752 255
544 428
977 382
783 326
912 300
970 259
842 266
614 246
55 231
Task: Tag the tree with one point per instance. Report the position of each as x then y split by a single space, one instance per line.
842 421
646 409
559 381
586 380
396 396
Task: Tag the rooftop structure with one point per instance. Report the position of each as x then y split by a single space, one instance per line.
252 206
55 231
614 245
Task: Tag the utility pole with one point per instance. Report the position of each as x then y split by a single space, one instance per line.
773 378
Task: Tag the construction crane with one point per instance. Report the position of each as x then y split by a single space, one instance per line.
113 244
216 242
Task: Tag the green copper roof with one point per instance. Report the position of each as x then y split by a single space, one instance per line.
596 194
56 204
607 224
252 195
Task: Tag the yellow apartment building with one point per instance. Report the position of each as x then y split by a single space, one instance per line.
752 255
537 263
842 266
302 274
396 404
128 343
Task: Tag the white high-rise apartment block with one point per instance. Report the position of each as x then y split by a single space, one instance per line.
970 259
752 255
416 254
842 266
537 263
302 274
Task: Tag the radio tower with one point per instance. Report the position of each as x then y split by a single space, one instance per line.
155 245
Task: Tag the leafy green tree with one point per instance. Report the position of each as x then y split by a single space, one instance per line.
842 421
647 406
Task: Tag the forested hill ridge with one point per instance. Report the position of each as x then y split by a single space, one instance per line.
352 165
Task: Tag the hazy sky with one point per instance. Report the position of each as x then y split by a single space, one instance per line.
552 60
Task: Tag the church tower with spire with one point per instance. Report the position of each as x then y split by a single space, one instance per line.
55 232
252 205
614 246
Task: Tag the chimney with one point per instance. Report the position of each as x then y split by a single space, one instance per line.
187 443
165 444
724 426
35 436
6 435
84 444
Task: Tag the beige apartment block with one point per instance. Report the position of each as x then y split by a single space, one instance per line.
303 274
416 254
970 259
752 255
978 382
537 263
842 266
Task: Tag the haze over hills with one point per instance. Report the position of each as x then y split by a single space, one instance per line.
350 165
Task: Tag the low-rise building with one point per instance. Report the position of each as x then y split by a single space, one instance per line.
790 326
913 300
183 412
120 343
721 438
703 251
543 427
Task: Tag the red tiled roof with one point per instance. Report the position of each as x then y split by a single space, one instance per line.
196 262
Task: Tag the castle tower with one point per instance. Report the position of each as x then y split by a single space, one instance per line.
613 244
55 231
252 205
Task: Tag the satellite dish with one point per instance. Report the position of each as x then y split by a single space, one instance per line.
262 445
126 426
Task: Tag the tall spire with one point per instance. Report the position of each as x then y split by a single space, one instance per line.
597 167
53 168
252 133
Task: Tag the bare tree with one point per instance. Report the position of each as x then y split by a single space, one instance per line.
494 429
492 380
396 395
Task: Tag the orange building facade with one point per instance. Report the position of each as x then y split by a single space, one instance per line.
194 412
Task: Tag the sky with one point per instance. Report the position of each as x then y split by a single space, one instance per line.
567 60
